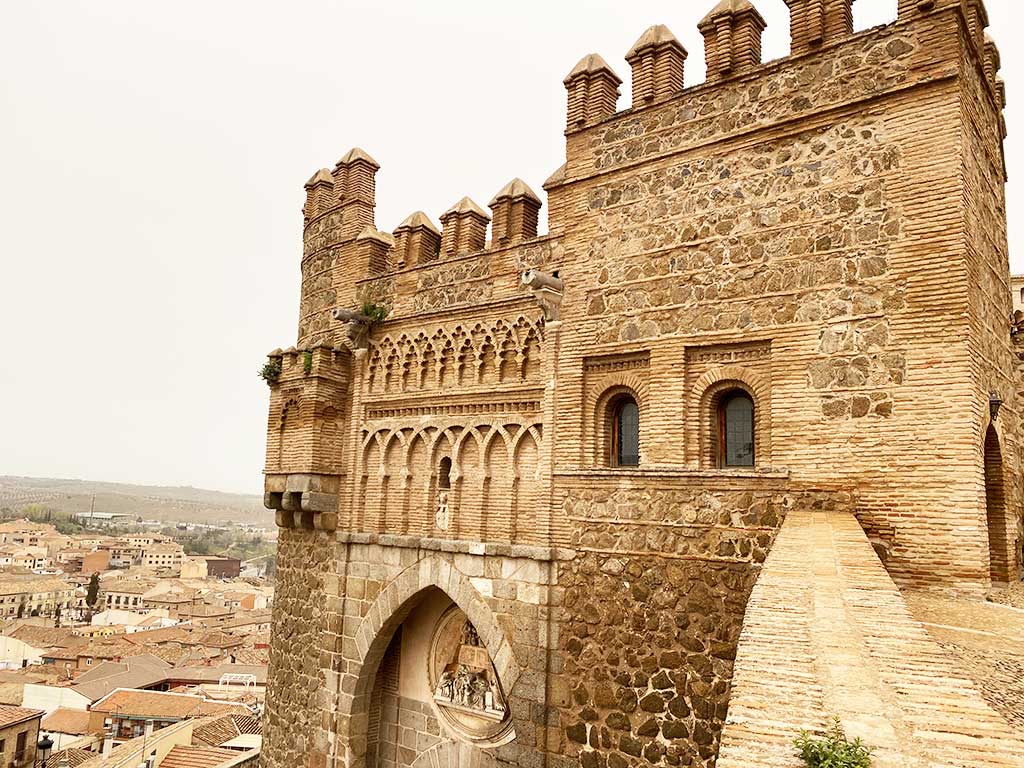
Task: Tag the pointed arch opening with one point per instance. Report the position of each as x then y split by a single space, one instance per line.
995 510
434 659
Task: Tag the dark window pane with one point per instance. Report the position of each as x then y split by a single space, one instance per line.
628 449
739 431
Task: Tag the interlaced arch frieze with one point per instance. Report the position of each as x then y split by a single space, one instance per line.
494 477
500 352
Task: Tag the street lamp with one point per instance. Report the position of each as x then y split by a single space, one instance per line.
44 747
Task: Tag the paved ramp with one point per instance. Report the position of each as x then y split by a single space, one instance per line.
827 633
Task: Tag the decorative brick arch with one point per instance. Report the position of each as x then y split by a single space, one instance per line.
599 395
700 419
451 754
393 606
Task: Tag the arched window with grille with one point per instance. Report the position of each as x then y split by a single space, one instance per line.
736 429
625 435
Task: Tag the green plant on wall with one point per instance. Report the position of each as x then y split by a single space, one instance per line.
376 312
833 750
271 371
307 361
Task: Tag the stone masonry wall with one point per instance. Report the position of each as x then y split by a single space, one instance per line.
293 735
654 602
990 301
801 209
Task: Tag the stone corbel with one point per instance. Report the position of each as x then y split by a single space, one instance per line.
303 500
547 290
356 329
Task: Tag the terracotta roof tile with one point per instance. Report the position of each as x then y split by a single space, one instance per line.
156 704
14 715
197 757
44 637
75 757
226 728
64 720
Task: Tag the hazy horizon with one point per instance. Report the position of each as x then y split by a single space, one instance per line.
153 169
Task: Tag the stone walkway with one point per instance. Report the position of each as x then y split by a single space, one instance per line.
988 638
827 633
1012 596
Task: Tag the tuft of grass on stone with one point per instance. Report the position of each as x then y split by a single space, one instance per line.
833 750
271 371
376 312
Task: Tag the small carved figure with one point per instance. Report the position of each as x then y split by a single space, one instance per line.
463 685
442 517
446 685
478 696
469 635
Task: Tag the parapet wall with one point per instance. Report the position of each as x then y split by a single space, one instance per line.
827 634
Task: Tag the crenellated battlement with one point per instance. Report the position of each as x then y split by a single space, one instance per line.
732 34
732 39
658 60
347 259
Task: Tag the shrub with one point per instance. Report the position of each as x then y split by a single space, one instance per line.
307 361
376 312
833 750
271 371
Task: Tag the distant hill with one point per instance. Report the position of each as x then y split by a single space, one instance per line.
184 504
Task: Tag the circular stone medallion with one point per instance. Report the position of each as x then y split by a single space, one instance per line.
466 691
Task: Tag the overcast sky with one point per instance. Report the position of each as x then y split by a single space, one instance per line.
152 157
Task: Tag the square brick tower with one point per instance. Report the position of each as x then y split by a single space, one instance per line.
525 483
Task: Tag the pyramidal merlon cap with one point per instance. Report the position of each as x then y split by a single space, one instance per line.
371 233
590 64
419 219
729 7
358 154
654 37
515 190
323 175
465 205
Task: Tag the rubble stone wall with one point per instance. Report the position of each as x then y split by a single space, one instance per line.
654 602
294 733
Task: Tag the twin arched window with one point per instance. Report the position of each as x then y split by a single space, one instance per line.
733 428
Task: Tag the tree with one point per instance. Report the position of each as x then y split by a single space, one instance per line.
92 592
21 610
56 616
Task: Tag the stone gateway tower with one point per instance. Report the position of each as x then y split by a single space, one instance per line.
527 483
